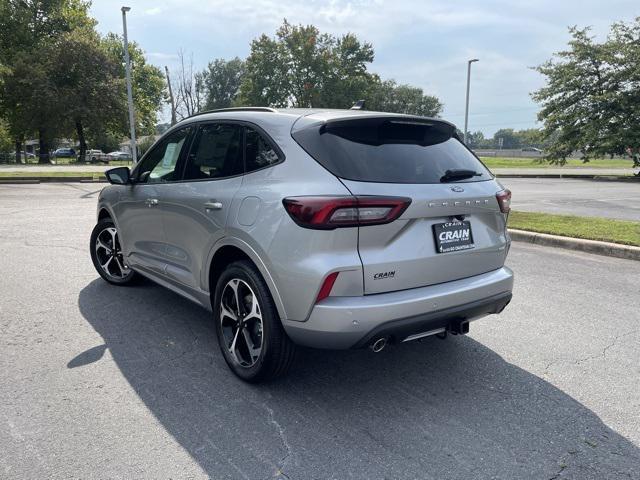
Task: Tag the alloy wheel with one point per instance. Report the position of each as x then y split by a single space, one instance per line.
109 254
241 322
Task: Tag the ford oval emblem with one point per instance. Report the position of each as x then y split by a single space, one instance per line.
456 188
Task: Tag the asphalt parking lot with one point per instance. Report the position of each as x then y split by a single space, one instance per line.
98 381
595 198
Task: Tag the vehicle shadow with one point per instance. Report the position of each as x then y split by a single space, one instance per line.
433 409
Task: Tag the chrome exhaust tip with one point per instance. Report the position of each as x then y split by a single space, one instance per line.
378 345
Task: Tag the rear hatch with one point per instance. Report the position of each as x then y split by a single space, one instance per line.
453 227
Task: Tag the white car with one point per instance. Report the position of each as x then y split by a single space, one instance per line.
118 155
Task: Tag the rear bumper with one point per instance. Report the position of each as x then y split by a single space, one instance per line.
352 322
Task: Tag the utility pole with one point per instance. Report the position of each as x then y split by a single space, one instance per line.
173 104
466 109
132 124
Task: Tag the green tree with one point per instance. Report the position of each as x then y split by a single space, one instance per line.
6 139
591 102
510 139
148 83
87 84
302 67
27 98
388 96
221 81
475 139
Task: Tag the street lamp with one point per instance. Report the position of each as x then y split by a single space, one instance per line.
134 152
466 109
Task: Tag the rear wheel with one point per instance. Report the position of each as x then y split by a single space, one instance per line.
106 254
250 334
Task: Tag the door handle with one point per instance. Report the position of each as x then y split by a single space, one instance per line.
151 202
213 206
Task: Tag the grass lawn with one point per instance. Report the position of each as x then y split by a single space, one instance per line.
72 162
590 228
504 162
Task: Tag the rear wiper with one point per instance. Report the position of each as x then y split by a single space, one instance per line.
458 174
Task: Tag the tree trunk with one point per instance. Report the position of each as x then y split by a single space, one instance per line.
81 139
18 150
44 147
171 99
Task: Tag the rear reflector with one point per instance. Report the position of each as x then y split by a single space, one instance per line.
504 200
327 213
327 285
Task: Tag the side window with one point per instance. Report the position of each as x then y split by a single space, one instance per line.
160 165
260 153
216 152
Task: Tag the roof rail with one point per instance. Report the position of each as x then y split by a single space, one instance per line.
237 109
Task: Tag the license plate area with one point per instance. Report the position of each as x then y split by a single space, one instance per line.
452 236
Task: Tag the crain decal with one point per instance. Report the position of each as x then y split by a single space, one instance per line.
381 275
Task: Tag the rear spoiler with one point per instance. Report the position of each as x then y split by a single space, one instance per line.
380 129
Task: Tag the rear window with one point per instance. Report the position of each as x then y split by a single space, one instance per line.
389 150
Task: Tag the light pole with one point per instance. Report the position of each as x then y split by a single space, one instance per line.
134 152
466 108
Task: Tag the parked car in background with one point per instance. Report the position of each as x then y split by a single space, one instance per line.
64 153
95 156
325 228
27 155
119 155
531 149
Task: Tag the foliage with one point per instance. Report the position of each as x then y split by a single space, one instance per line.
189 88
27 28
299 66
145 144
221 81
302 67
87 85
511 139
148 83
6 139
388 96
591 102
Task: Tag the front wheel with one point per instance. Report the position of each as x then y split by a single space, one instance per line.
106 254
250 334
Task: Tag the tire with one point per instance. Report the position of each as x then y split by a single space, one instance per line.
272 352
101 247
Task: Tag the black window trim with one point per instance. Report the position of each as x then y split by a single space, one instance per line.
186 147
243 123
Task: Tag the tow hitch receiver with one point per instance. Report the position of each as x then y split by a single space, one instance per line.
460 327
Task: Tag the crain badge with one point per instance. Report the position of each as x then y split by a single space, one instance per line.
381 275
457 188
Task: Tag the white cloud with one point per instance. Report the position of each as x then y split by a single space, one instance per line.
421 42
160 56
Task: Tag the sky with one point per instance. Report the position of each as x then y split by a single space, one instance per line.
421 43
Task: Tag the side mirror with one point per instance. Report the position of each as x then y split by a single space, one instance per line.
118 176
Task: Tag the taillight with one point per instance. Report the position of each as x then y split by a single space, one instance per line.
504 200
327 213
327 285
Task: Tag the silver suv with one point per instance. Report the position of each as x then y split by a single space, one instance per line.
325 228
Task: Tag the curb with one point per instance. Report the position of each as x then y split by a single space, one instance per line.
617 250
